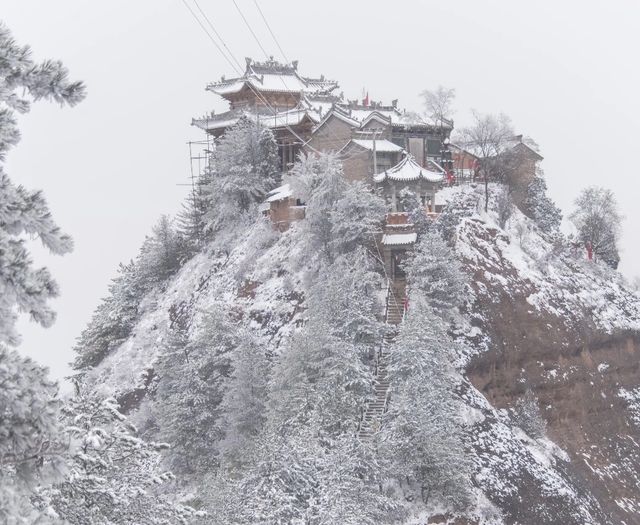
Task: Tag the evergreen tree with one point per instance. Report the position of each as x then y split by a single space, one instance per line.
340 215
356 217
113 474
160 257
411 204
192 376
242 170
539 207
244 402
434 271
113 319
191 222
31 437
161 254
23 212
323 374
422 435
28 426
319 181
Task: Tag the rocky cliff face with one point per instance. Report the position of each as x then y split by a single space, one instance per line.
568 330
539 318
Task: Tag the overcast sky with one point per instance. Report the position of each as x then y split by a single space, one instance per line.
566 72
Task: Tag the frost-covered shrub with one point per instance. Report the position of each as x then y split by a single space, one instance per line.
503 206
528 417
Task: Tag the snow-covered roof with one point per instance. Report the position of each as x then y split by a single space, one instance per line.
338 113
382 146
278 194
281 119
272 76
409 170
288 118
399 239
474 149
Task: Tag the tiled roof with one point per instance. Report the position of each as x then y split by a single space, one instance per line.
409 170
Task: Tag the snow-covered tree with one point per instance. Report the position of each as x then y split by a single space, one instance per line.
599 222
24 288
539 207
319 181
504 206
422 435
113 319
161 254
356 217
490 138
29 432
410 203
340 215
438 104
113 476
31 438
242 169
303 481
309 466
191 220
434 271
191 380
244 402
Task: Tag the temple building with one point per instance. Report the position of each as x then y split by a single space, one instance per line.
276 96
389 149
373 120
306 114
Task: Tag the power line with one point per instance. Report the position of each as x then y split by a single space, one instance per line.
270 31
217 34
250 29
209 35
258 95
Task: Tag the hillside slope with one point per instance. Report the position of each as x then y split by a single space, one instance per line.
538 318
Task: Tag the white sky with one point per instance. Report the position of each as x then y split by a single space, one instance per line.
566 72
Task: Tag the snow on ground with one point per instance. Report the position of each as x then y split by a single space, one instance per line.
552 276
256 277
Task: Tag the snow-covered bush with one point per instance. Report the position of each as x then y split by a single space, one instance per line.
528 416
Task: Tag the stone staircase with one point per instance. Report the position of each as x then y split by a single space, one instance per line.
375 408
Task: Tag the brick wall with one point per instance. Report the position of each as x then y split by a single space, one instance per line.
331 136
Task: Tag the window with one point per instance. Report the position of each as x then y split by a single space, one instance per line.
433 147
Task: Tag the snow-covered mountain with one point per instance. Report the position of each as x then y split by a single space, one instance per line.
538 320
